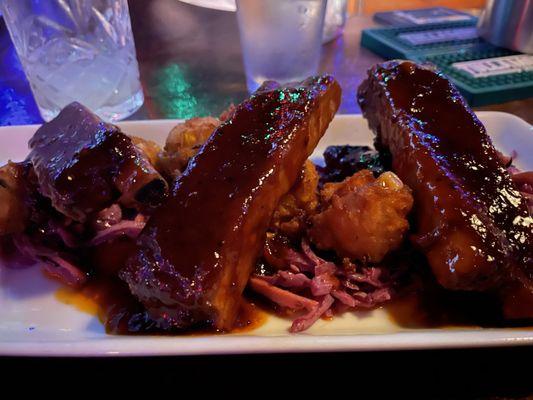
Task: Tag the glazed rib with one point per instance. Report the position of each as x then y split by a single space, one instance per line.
197 252
471 222
84 164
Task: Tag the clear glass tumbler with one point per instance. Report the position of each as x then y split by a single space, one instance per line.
77 50
280 39
334 20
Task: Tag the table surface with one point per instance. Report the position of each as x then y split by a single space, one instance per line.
191 65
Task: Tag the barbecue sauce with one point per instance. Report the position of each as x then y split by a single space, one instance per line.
438 308
469 218
422 308
420 302
84 164
120 313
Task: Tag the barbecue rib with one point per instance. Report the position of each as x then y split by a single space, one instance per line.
198 249
84 164
470 220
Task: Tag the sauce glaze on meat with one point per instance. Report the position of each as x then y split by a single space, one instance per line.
471 222
84 164
197 251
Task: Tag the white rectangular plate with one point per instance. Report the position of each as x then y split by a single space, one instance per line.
34 323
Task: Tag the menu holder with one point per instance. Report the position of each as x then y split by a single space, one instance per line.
423 16
485 74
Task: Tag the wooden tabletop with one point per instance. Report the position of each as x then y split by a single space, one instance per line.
190 63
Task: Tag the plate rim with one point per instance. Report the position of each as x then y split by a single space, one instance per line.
152 345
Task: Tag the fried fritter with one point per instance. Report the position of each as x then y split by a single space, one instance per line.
183 142
13 208
298 205
149 148
362 217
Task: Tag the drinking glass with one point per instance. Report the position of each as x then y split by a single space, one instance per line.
77 50
281 39
334 20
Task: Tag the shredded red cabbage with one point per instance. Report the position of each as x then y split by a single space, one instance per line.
319 286
130 228
53 262
107 217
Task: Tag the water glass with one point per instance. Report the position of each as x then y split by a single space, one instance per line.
334 20
280 39
77 50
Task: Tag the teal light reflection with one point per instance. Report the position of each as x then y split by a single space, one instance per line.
174 95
